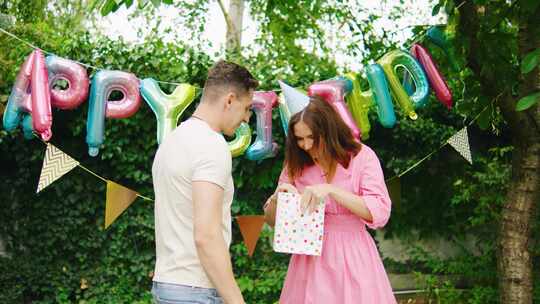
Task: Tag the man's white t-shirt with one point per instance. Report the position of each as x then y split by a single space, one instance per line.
192 152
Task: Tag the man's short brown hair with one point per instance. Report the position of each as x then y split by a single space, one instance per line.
225 73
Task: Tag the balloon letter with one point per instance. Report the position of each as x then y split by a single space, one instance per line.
167 108
436 80
19 100
390 62
76 77
241 140
378 96
263 147
103 83
333 91
41 98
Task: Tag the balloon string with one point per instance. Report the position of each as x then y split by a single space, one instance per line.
79 62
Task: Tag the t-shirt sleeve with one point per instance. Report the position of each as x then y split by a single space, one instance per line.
213 164
372 188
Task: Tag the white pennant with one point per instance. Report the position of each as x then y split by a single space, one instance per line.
55 164
460 142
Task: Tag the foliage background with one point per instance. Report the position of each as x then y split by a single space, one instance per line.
58 251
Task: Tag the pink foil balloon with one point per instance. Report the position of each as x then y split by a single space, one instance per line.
436 80
128 84
99 106
333 91
19 102
41 98
76 77
263 147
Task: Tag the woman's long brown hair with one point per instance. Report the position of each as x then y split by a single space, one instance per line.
331 136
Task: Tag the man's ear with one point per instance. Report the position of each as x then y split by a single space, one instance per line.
229 98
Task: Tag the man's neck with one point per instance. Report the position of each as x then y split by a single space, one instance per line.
210 115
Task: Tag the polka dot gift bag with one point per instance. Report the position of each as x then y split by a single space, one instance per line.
297 232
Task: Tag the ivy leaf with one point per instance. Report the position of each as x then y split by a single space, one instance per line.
436 9
95 3
449 7
108 7
170 2
530 61
527 101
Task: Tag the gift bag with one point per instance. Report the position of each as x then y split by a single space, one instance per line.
297 232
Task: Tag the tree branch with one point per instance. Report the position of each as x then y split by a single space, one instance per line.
470 28
228 20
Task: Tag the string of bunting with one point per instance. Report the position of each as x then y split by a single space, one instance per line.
56 163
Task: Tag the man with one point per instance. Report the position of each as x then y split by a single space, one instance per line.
194 191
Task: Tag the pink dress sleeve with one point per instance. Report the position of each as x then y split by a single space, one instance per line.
371 187
284 176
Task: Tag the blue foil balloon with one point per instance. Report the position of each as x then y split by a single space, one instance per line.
263 147
381 95
103 84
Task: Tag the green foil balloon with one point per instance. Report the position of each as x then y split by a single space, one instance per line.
395 59
167 108
241 141
359 104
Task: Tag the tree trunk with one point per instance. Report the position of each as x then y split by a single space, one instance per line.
233 19
514 260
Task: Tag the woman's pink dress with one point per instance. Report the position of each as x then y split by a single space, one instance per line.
349 270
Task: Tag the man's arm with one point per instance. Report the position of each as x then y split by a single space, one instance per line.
211 247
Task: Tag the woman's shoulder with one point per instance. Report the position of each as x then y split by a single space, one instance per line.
364 154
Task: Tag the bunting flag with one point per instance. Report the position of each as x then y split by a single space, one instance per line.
118 199
394 190
460 142
250 227
55 164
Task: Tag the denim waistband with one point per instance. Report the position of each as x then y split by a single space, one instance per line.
174 288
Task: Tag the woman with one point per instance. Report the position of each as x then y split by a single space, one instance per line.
324 161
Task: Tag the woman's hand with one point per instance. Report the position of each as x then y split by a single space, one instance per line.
285 188
313 195
270 205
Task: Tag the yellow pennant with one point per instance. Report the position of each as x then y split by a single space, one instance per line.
118 199
250 227
55 164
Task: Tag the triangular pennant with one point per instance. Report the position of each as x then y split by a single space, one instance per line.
118 199
55 164
295 100
250 227
460 142
394 190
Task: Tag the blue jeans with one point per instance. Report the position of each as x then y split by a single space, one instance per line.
166 293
